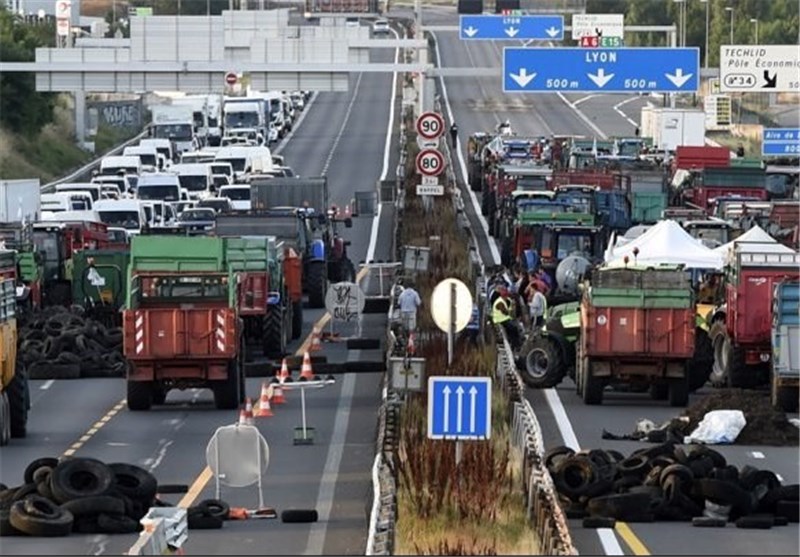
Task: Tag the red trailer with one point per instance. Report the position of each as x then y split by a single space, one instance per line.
689 158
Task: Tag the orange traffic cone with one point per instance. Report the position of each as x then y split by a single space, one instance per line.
246 415
277 394
284 376
306 373
316 343
264 409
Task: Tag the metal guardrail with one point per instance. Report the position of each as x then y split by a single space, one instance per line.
88 167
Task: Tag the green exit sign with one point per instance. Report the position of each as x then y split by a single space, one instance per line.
611 41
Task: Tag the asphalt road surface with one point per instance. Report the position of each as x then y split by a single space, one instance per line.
478 104
342 135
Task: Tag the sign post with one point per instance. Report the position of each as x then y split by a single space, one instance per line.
451 309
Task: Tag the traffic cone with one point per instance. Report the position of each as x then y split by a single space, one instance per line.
246 415
316 343
284 376
277 394
306 373
264 409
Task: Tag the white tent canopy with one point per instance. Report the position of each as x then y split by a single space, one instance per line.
754 240
666 243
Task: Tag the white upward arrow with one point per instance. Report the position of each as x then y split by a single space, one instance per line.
473 393
511 31
470 31
446 391
601 78
679 79
459 407
523 77
553 31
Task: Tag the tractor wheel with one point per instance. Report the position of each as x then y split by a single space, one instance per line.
543 365
140 395
227 393
159 395
592 386
784 398
273 337
5 420
18 402
297 319
700 365
659 390
317 284
740 375
718 336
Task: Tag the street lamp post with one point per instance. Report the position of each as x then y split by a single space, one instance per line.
730 9
706 2
755 20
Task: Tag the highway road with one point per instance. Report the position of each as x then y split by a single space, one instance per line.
478 104
344 136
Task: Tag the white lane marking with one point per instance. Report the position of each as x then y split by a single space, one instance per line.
584 99
153 463
562 420
116 444
47 384
757 454
583 117
330 474
609 541
473 198
623 103
296 126
344 125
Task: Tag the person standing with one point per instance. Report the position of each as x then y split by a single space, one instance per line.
501 315
409 302
454 134
537 305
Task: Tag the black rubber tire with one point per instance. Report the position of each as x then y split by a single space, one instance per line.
6 529
317 282
24 491
43 488
297 319
699 367
30 470
59 526
18 401
750 479
42 474
299 515
80 477
39 507
719 372
634 465
543 364
785 398
683 473
116 524
599 522
574 476
616 456
227 393
216 508
789 510
556 455
756 522
716 458
172 489
593 388
273 337
780 520
701 467
204 522
678 392
708 522
134 482
631 507
726 493
140 395
159 395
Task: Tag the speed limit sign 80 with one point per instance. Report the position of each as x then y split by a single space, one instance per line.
430 125
430 162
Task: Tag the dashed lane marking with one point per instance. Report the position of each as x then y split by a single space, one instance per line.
75 447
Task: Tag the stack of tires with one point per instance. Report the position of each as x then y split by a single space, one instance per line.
667 483
60 343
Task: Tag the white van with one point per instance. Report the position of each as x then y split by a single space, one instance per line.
194 178
66 201
246 160
125 184
95 190
147 155
162 146
111 166
197 157
162 187
239 195
123 213
71 216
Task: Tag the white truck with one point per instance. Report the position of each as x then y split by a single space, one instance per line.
176 123
245 112
671 127
20 200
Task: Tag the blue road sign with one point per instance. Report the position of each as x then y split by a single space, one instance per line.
523 27
459 408
618 70
781 141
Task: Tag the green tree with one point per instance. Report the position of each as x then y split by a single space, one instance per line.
22 109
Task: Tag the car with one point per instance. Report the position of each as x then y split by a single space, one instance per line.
218 204
351 22
197 218
380 27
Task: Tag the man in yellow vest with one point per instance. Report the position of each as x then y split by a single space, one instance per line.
501 315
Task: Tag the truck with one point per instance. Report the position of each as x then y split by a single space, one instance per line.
673 127
785 347
176 123
14 396
637 329
700 188
741 328
205 116
245 113
182 326
343 6
20 200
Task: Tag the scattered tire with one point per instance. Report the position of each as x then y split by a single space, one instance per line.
216 508
80 477
6 529
299 515
708 522
116 524
788 510
18 402
23 491
363 344
166 489
556 455
134 482
57 526
574 476
203 522
89 506
599 522
38 506
44 462
756 522
635 465
683 473
630 507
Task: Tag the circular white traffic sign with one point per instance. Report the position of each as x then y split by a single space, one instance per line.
345 301
445 299
231 78
430 162
430 125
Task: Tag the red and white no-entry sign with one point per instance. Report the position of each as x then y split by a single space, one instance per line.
430 125
231 78
430 162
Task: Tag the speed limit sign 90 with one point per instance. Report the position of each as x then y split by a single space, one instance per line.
430 125
430 162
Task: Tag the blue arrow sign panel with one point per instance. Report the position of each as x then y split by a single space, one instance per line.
604 70
459 408
780 141
523 27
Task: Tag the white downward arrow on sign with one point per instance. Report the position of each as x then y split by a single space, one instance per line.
601 78
470 31
523 77
459 407
446 410
511 32
552 31
473 393
678 79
